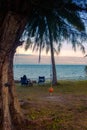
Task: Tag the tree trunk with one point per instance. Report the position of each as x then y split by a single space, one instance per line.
18 118
54 76
5 97
10 113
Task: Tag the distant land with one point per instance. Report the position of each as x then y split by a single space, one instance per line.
33 59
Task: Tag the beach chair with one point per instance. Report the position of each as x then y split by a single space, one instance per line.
41 79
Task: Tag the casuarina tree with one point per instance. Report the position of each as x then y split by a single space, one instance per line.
50 28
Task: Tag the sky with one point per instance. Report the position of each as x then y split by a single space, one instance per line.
33 59
66 50
66 56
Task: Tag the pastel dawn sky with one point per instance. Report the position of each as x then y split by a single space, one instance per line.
66 50
66 56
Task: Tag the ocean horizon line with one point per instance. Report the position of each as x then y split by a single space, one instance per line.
47 60
46 64
50 56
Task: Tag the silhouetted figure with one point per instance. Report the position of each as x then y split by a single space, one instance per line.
24 80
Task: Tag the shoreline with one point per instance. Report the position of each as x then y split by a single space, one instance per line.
60 80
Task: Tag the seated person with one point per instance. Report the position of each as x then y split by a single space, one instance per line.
24 80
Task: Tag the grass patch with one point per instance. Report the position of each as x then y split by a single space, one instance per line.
66 109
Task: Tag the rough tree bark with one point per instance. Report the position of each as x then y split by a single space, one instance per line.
10 113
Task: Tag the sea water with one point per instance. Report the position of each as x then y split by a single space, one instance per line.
64 72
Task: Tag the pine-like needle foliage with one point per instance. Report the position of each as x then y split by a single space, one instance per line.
55 22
